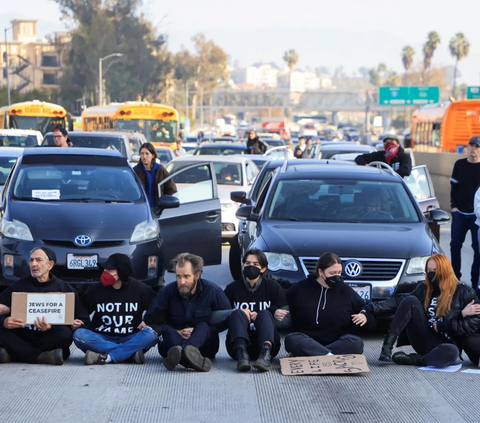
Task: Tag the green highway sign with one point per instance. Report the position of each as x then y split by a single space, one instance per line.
408 96
473 93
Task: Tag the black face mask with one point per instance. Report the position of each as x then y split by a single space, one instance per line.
432 277
251 272
332 281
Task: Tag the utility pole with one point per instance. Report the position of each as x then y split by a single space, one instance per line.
186 99
100 82
6 66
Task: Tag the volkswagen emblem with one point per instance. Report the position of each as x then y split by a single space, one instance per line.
83 240
353 269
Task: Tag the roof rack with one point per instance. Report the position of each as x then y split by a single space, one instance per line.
384 166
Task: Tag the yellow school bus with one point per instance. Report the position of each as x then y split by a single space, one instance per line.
36 115
158 122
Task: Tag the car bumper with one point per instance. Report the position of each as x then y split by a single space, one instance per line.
140 255
229 222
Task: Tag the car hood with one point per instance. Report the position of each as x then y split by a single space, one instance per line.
55 215
311 239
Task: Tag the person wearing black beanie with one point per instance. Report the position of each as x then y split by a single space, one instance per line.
117 332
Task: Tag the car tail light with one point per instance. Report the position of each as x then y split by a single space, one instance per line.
152 266
8 264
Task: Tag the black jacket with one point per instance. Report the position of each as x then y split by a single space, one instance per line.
401 163
325 314
299 154
464 182
256 146
169 308
455 326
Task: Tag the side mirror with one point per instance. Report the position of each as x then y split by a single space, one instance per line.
135 157
438 216
246 213
240 197
168 202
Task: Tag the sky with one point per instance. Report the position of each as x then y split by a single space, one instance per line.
348 33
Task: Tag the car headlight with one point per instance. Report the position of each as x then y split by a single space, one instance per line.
145 231
417 265
278 261
16 229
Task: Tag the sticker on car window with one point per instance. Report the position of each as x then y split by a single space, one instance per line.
46 194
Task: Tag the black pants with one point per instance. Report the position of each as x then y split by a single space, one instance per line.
239 327
301 345
410 316
25 345
471 346
202 337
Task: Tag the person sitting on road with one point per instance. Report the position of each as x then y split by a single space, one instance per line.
41 342
434 319
255 145
181 314
393 155
117 332
325 311
259 303
301 150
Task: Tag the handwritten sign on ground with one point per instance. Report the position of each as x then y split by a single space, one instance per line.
56 307
324 365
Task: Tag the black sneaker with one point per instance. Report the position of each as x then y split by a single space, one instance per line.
51 357
138 357
4 356
174 355
95 358
195 360
408 359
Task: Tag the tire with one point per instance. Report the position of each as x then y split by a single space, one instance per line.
235 258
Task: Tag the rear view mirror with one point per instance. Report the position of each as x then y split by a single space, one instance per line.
240 197
438 216
135 157
168 202
246 213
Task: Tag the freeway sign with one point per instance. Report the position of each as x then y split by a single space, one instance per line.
473 93
406 96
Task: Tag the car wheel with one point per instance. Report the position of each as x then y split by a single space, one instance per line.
234 259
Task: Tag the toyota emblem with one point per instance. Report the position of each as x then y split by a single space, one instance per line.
353 269
83 240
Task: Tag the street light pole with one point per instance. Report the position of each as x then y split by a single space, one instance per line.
100 75
6 65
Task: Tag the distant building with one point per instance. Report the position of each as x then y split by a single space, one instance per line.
308 81
32 63
257 76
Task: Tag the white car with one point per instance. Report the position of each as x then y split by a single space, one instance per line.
20 138
8 157
233 173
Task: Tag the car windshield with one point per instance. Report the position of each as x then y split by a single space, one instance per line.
18 140
76 183
226 173
328 154
6 164
342 201
106 143
154 130
220 151
164 156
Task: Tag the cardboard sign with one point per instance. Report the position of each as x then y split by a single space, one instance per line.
57 307
324 365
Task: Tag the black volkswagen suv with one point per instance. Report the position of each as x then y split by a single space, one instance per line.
366 215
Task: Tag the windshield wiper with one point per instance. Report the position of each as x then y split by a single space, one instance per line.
95 200
33 199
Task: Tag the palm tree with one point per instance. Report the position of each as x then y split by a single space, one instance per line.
459 48
291 59
433 40
407 58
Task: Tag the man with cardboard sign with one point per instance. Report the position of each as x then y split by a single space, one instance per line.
39 331
324 365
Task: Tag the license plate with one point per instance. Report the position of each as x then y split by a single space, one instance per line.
82 262
364 290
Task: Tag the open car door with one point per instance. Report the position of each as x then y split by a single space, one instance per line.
195 226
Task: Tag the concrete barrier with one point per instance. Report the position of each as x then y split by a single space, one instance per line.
440 166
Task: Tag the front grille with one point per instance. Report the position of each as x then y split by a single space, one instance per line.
373 270
71 244
68 275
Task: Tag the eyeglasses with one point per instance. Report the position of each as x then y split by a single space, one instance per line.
57 136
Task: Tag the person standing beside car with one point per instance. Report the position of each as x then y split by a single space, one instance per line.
465 182
301 150
325 311
255 145
393 155
150 174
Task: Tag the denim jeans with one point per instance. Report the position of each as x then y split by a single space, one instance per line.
461 224
119 347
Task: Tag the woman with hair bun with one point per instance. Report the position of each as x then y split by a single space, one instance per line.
430 319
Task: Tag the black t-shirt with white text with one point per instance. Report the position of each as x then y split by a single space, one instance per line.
118 311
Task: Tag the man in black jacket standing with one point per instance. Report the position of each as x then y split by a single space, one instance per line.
393 155
255 145
181 314
464 182
258 301
117 332
41 342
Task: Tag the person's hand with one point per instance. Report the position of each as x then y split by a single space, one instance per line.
471 309
142 325
359 319
248 313
454 209
76 324
42 324
185 333
12 323
280 314
253 316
